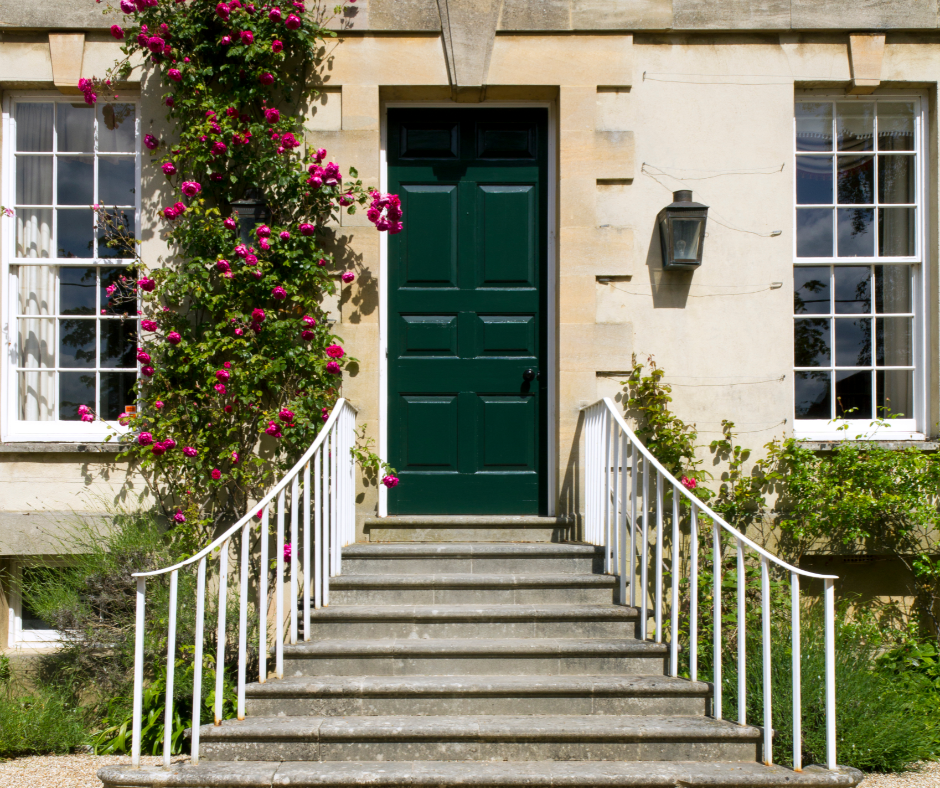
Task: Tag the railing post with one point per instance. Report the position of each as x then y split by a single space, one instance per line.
606 501
742 635
220 642
633 496
170 669
279 590
765 629
716 642
294 557
797 669
197 658
674 605
307 590
830 615
243 623
659 557
317 532
263 601
138 669
644 551
693 595
622 523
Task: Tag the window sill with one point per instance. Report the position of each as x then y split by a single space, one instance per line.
39 447
893 445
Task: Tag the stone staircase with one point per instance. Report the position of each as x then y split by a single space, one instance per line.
478 662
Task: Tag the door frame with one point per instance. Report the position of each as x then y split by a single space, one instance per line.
549 284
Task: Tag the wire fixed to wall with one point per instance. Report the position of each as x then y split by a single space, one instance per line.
760 289
723 79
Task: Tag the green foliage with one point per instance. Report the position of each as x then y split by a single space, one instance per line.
740 498
38 722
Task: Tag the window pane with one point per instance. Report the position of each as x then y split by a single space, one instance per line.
116 234
894 341
853 289
36 396
77 344
811 290
856 232
75 184
893 288
34 232
896 232
76 231
115 181
855 125
896 179
811 343
119 343
75 388
36 342
116 393
853 342
686 233
853 394
813 126
812 395
895 393
116 305
33 576
813 180
895 125
75 126
856 180
37 289
34 180
814 232
34 126
116 128
76 291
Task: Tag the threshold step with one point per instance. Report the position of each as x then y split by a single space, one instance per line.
467 528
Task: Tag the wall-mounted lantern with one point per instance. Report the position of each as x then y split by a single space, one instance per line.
682 232
250 211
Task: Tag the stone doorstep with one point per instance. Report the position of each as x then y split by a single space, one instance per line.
461 580
472 549
473 613
518 648
435 774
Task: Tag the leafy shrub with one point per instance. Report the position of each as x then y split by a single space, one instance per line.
39 722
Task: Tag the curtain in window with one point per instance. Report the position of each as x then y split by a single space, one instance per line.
36 343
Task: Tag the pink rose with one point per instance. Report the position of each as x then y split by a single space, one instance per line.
223 10
128 7
247 37
191 188
309 320
158 405
147 372
274 14
174 338
263 231
267 78
223 375
143 357
256 274
334 351
189 451
251 259
321 154
276 46
235 457
325 414
284 235
258 316
175 74
169 443
222 266
287 416
216 474
279 293
219 148
117 32
688 483
229 223
151 142
239 332
265 246
148 325
179 517
144 439
348 276
389 481
321 262
273 429
307 229
306 335
225 40
157 449
169 101
288 551
333 368
169 168
272 115
146 284
292 22
241 251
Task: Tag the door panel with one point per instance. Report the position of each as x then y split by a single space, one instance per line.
467 311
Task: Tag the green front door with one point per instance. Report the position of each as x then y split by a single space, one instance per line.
467 311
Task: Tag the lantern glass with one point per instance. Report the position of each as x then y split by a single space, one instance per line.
686 234
682 232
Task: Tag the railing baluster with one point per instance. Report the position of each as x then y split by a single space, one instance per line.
674 603
170 671
334 531
243 622
325 517
659 557
797 668
608 488
742 635
317 533
644 552
614 517
716 644
633 497
829 594
622 522
306 590
294 557
197 659
693 594
138 669
765 628
263 601
220 641
279 591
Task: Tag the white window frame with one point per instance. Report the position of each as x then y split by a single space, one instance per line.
915 427
17 636
12 429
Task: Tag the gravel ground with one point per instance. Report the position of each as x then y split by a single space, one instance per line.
79 771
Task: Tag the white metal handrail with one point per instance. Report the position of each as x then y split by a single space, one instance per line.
617 478
331 501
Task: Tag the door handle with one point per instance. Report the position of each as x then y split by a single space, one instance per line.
529 375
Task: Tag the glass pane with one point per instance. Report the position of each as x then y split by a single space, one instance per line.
116 234
894 341
117 304
116 128
896 232
36 342
811 290
814 232
75 388
119 343
36 396
75 184
75 126
34 126
76 231
813 180
77 291
115 181
37 289
811 343
896 179
77 343
32 576
853 342
853 289
895 393
34 180
853 394
856 180
117 392
34 232
895 125
856 232
812 395
855 125
686 234
893 288
813 126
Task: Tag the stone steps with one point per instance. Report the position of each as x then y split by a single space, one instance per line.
481 738
471 656
467 528
332 696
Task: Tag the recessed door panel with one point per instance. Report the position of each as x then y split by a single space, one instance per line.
428 335
430 239
506 335
428 432
508 228
508 427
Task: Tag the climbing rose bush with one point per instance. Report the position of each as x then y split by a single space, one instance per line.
239 365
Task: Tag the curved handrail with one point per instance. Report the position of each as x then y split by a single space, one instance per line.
697 501
288 477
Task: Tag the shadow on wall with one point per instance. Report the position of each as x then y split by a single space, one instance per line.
569 497
362 297
670 288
